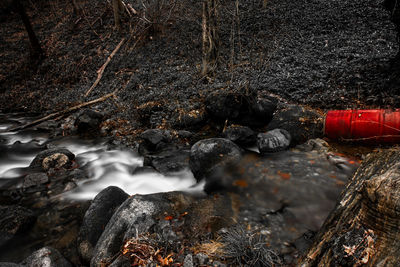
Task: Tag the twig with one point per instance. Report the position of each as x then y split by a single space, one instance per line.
101 70
65 111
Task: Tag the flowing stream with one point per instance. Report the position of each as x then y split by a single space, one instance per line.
104 167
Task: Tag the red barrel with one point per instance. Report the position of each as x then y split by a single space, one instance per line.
368 126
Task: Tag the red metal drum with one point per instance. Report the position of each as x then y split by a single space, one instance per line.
368 126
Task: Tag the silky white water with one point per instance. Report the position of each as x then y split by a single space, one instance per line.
121 168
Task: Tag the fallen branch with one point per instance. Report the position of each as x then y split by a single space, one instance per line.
101 70
63 112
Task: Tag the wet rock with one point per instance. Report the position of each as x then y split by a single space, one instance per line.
241 135
51 158
241 108
169 161
56 161
48 257
13 221
35 179
208 154
154 140
302 123
134 217
88 122
188 261
96 219
317 144
201 258
184 134
273 141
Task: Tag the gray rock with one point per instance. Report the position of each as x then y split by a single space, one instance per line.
273 141
35 179
56 161
132 218
188 261
240 107
169 161
154 139
14 220
241 135
201 258
208 154
46 257
96 219
52 155
185 134
302 123
88 121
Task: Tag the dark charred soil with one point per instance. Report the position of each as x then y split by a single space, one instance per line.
334 54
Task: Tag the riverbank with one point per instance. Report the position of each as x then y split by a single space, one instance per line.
280 68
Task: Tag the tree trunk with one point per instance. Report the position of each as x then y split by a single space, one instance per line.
77 8
210 38
117 16
37 52
363 229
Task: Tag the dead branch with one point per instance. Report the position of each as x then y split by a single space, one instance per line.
102 68
65 111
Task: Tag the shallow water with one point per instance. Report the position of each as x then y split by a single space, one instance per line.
104 167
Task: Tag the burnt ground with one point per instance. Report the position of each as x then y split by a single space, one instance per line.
326 54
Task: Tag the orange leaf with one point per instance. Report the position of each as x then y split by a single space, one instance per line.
284 175
241 183
168 218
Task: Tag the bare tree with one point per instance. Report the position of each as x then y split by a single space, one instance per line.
210 38
117 7
36 49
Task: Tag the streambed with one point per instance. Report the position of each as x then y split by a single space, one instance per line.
103 166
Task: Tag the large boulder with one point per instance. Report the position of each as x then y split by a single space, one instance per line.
46 257
208 154
135 217
52 158
241 108
14 220
302 123
96 219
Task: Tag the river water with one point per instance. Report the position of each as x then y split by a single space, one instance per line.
105 167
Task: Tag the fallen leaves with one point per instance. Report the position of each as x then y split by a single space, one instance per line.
241 183
141 253
284 175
